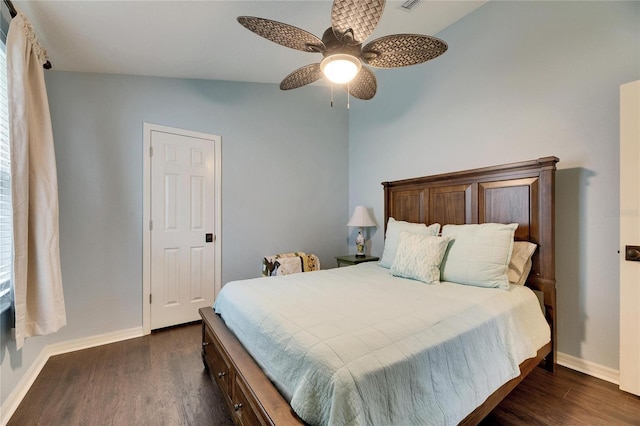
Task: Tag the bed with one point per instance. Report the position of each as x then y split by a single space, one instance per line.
521 193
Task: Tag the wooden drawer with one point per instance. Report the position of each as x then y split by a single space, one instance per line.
243 405
217 363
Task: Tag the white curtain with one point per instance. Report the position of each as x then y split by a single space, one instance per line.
38 296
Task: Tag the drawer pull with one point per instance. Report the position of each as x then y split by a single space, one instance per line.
205 343
222 374
237 406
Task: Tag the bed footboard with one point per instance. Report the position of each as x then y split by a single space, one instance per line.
251 397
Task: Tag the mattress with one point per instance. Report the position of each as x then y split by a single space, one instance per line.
357 346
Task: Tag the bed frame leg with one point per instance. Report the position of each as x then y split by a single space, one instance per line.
549 362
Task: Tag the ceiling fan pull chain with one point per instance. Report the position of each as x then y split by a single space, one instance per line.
348 95
331 95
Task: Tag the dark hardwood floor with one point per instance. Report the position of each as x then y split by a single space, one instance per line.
153 380
565 397
159 380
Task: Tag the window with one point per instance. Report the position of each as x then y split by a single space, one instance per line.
6 223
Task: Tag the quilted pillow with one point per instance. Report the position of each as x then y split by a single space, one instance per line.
394 228
419 256
478 254
520 264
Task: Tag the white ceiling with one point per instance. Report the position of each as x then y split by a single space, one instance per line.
202 39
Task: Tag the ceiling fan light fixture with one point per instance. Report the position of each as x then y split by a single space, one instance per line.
340 68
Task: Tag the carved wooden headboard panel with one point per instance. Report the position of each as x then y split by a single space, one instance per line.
522 192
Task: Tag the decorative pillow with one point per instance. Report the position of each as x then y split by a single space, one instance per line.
419 256
478 254
520 264
394 228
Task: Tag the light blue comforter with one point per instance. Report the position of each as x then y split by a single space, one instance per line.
357 346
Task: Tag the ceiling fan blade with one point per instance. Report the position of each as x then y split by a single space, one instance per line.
401 50
283 34
364 85
301 77
353 21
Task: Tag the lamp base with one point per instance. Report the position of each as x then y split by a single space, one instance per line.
360 244
361 255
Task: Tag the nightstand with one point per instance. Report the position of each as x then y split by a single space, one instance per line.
351 259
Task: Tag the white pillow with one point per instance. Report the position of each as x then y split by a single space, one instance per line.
418 257
520 263
394 228
478 254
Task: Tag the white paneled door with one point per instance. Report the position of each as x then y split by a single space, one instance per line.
630 237
182 228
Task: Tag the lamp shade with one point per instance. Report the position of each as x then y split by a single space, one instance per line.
361 218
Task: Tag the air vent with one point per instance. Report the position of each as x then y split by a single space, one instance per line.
409 4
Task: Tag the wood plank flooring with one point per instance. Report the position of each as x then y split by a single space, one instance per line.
153 380
566 397
159 380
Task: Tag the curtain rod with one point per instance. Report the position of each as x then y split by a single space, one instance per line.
13 13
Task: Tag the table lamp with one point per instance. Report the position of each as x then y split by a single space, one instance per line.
361 219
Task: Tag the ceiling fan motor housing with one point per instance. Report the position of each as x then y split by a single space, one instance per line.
333 45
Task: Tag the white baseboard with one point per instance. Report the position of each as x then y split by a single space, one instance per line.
13 400
15 397
588 367
93 341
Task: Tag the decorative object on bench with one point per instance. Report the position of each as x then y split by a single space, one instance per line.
289 263
361 219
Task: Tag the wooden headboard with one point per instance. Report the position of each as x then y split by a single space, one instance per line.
522 193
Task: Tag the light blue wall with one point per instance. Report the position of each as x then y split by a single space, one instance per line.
284 186
521 80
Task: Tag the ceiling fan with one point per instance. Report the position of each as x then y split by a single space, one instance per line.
352 22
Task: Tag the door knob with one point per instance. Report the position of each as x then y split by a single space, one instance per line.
632 253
